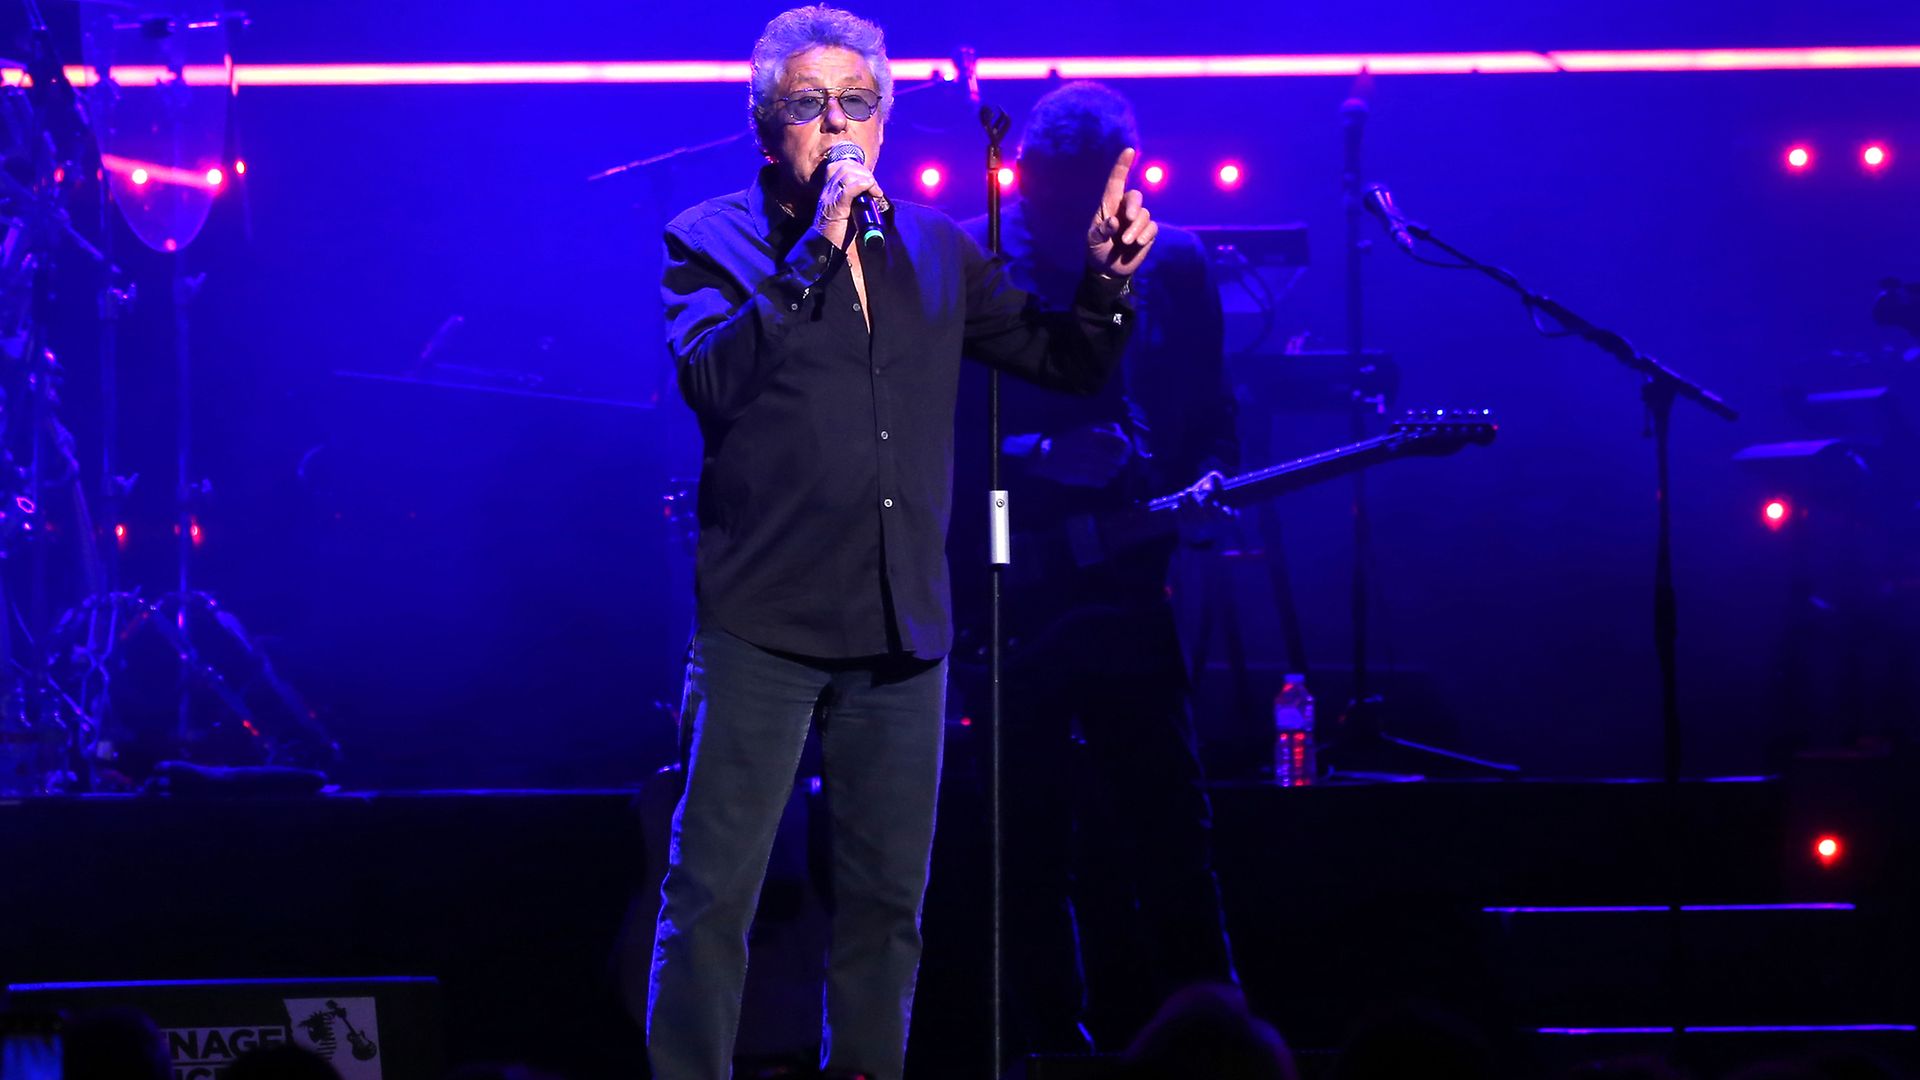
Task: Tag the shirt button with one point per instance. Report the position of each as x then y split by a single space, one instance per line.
888 503
856 305
883 436
793 307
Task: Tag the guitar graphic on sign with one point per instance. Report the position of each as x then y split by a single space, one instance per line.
319 1027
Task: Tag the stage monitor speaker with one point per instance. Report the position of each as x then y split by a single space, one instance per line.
367 1029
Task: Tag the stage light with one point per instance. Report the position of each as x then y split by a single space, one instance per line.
1874 156
194 533
215 178
1006 176
930 178
139 176
1155 175
1799 158
240 167
1228 176
1828 849
120 533
1775 513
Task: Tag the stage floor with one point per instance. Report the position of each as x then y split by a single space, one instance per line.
1337 898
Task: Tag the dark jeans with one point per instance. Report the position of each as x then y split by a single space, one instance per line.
749 710
1109 830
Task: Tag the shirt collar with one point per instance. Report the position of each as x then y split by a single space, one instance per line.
768 216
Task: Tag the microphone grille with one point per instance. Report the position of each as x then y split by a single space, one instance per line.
846 151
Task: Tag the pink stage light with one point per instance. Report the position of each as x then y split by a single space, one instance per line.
215 178
139 176
930 177
1814 58
1155 175
1006 176
1229 176
1799 158
1774 514
240 168
1874 156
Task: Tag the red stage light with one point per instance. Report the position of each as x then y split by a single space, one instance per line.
1828 849
1229 175
1874 156
194 533
120 533
1006 176
1799 158
930 178
1155 175
1775 513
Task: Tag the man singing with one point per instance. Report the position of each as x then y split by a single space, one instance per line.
823 371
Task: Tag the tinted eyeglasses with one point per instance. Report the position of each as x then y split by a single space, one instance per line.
858 102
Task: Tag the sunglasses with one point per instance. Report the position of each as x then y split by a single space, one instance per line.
858 102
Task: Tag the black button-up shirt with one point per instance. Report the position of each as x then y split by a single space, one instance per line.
826 483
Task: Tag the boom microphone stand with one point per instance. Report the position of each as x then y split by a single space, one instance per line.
1660 385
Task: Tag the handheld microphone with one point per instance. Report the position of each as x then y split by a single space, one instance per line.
1379 202
866 219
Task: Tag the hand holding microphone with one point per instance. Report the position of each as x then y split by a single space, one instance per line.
851 194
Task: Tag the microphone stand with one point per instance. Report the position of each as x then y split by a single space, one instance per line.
1353 123
999 554
1364 733
1659 387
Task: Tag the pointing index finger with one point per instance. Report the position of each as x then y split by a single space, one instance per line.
1117 183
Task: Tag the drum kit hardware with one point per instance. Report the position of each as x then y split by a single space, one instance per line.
103 682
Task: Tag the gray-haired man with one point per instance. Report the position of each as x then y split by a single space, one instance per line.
824 377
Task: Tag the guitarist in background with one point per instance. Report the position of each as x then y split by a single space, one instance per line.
1094 660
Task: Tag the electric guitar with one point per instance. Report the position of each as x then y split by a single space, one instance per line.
1088 540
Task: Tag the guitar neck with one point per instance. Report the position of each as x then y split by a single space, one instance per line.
1261 484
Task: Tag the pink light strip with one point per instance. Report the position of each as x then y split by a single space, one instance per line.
1041 67
158 173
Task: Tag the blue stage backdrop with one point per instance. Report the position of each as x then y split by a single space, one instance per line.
480 587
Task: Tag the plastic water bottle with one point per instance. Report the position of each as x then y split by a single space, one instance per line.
1293 757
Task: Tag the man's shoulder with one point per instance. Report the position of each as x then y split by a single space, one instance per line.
715 212
928 219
